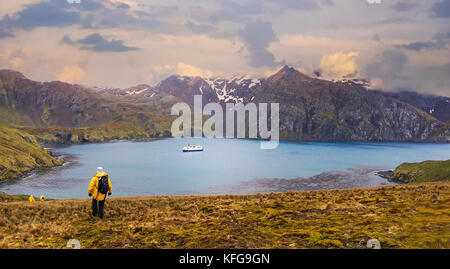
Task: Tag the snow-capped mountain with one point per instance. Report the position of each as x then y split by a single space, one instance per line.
141 94
217 89
246 89
106 90
141 90
357 81
235 90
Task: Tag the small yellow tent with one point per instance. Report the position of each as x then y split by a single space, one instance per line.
31 199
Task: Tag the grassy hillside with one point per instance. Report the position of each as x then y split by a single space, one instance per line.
20 153
13 198
400 216
428 171
114 130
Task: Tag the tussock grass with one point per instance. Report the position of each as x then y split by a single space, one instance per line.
20 153
400 216
427 171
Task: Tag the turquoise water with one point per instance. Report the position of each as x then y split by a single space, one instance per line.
160 168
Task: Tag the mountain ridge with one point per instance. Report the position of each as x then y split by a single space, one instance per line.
58 111
311 109
434 105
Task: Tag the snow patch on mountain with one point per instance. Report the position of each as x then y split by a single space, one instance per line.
358 81
235 89
227 89
133 91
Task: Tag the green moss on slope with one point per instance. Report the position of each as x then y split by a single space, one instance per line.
427 171
20 153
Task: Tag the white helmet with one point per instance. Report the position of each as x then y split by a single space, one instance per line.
100 169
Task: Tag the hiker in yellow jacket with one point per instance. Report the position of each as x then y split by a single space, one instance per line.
96 192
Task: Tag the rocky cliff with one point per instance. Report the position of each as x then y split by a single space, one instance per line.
314 109
436 106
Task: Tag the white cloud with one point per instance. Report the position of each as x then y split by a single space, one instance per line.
339 65
192 71
72 74
15 57
376 83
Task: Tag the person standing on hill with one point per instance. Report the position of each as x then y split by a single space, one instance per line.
98 188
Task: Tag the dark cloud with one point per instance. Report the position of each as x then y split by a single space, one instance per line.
123 5
91 14
395 20
84 5
435 79
233 11
5 28
46 14
392 61
441 9
300 4
5 33
96 42
419 46
440 41
396 74
242 11
376 37
117 18
54 13
389 68
200 28
403 6
153 20
327 2
303 4
257 37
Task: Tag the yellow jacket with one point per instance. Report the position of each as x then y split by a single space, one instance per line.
93 187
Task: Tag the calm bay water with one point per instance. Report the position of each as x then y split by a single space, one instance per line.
160 168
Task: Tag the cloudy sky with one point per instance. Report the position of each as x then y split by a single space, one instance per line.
396 44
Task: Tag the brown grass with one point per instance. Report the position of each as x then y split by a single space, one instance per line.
401 216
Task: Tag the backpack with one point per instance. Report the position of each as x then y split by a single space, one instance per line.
103 185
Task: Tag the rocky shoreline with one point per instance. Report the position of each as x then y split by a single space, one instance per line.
358 177
388 174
